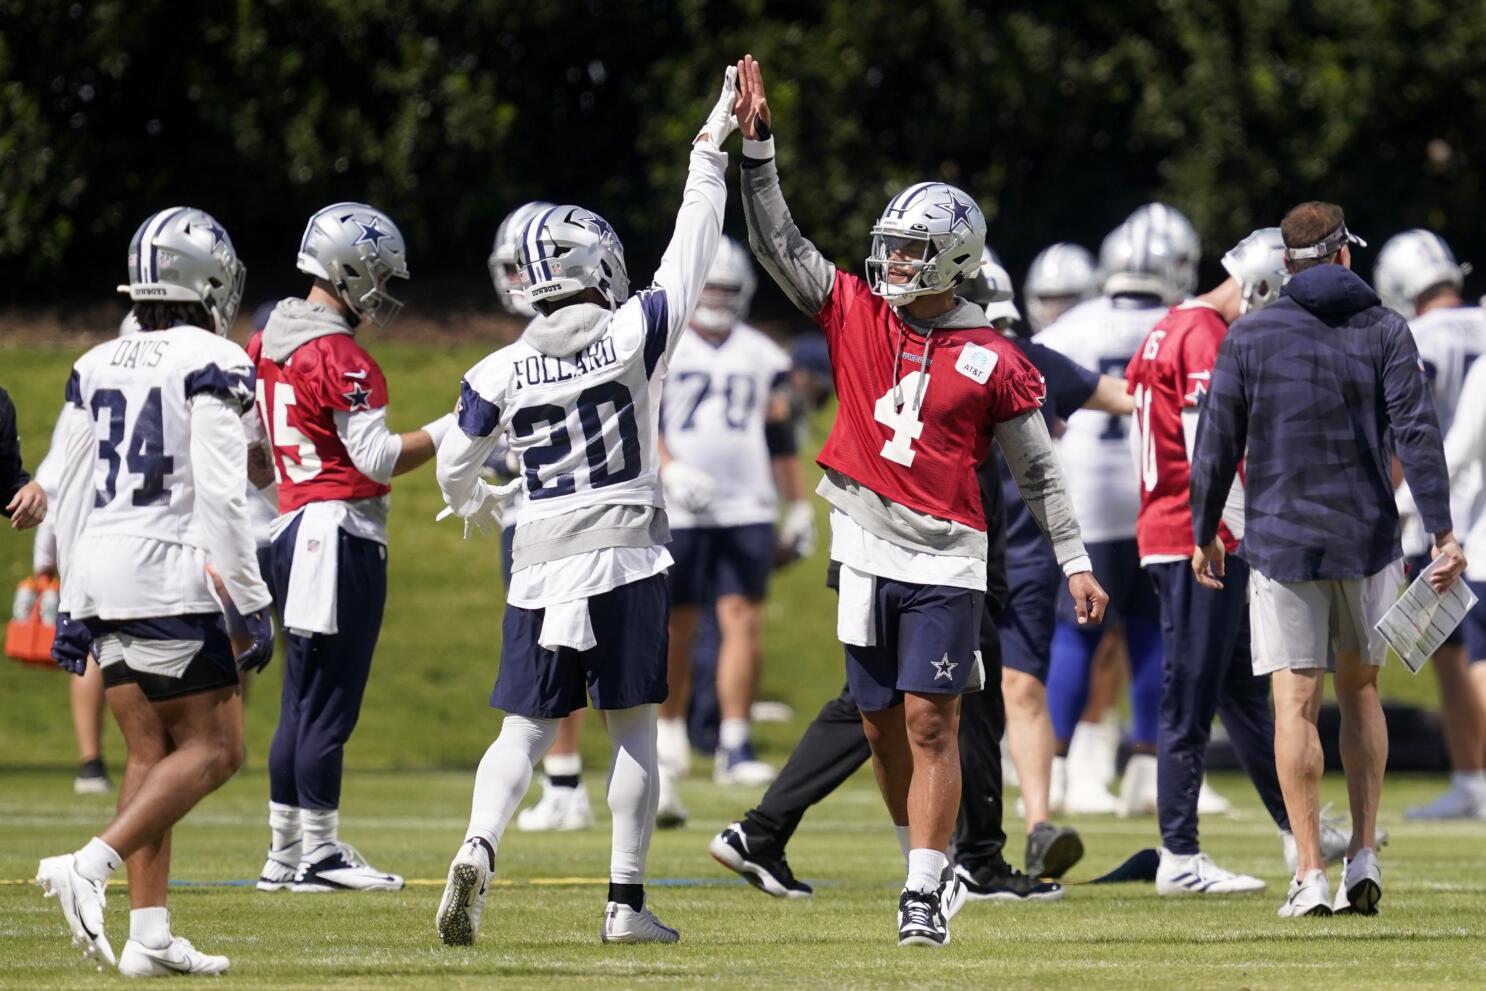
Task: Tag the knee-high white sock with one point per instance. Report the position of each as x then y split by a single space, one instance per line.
284 826
634 790
505 773
321 827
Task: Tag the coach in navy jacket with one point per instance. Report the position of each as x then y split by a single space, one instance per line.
1319 391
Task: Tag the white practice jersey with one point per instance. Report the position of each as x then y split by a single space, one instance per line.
1450 339
715 404
1101 334
584 425
155 449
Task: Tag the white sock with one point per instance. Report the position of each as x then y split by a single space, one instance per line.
671 736
733 733
1472 781
321 826
903 843
634 790
925 867
562 765
284 827
97 861
505 773
150 926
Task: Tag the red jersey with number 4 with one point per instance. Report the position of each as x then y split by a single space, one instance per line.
298 401
913 427
1167 375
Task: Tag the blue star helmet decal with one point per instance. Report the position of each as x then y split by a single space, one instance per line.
359 398
959 211
598 225
218 235
370 233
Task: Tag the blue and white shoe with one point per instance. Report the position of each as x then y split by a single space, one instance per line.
280 868
338 867
1198 875
739 766
762 866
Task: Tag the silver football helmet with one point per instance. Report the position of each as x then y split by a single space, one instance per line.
502 262
566 249
1258 264
728 291
182 255
1180 236
1412 262
991 288
1060 277
936 232
358 250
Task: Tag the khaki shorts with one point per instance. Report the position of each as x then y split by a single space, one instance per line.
1303 625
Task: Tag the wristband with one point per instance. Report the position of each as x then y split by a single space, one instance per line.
762 150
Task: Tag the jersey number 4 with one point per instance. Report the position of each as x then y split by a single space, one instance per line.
902 419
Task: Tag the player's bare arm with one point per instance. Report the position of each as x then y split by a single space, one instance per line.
1111 396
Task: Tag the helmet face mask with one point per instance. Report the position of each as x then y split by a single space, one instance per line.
182 255
929 239
359 251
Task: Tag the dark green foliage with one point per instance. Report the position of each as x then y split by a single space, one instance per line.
1059 116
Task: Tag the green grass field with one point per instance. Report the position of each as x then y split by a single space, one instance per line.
425 725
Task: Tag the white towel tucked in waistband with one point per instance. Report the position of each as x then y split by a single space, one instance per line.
855 608
313 573
567 624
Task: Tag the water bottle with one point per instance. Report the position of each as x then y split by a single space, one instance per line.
50 600
25 601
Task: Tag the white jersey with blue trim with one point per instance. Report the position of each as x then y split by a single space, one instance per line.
1450 339
1102 334
715 405
581 414
156 451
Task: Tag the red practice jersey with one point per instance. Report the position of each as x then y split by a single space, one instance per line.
298 401
1167 375
923 457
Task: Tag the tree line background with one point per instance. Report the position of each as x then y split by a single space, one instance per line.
1059 116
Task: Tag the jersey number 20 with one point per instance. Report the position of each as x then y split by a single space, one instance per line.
559 445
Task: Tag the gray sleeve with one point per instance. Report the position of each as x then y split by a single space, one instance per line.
1034 465
805 275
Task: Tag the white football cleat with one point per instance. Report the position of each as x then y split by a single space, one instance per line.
1138 789
1457 803
670 813
1210 803
82 905
1310 895
740 767
458 921
1198 875
279 868
561 809
1362 885
338 867
178 957
623 924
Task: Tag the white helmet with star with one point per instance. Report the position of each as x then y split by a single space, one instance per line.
358 250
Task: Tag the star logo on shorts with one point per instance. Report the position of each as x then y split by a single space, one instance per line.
944 668
359 398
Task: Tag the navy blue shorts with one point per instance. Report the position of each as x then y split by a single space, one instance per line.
1415 564
1474 625
714 561
1131 594
211 666
626 669
1027 622
928 639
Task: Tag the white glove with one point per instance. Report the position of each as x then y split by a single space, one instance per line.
797 532
487 512
721 122
690 488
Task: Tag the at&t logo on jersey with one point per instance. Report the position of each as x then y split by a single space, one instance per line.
976 363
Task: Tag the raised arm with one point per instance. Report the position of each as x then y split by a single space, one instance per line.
805 275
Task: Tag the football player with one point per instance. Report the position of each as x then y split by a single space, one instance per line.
1059 278
323 401
578 398
1206 657
151 490
1148 263
925 386
564 804
1418 276
729 454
